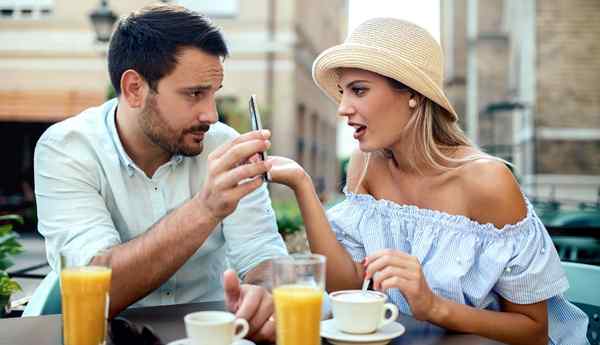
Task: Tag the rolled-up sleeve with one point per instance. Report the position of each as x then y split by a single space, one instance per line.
72 214
251 232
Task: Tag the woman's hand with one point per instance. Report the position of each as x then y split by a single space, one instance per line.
395 269
286 171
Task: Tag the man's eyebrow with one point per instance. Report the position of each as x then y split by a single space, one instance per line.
196 88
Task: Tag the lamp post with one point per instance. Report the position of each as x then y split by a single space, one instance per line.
103 19
522 147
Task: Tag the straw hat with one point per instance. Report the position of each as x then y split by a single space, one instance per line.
391 47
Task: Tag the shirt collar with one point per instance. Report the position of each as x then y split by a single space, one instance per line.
177 159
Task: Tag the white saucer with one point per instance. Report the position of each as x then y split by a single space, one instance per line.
383 336
185 341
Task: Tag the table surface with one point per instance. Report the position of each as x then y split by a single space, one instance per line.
167 322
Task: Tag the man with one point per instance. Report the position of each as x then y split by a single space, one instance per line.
155 179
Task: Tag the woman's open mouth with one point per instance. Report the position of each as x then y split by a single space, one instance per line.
359 130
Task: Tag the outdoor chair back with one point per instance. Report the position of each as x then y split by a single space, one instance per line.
46 298
584 291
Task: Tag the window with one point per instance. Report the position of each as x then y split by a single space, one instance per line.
17 143
25 9
214 9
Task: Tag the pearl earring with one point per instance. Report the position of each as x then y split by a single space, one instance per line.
412 103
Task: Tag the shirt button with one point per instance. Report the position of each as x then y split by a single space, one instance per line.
155 188
508 270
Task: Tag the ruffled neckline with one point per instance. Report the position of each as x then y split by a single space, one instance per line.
460 221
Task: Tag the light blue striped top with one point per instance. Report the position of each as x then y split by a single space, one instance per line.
465 261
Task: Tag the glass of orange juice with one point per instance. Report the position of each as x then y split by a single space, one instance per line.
298 286
84 291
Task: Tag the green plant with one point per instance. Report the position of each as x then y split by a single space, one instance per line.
9 246
110 92
288 217
235 114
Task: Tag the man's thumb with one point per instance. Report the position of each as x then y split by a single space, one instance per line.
231 285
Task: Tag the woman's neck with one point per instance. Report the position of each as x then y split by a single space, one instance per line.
406 160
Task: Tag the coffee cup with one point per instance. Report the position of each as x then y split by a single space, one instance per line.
214 328
361 312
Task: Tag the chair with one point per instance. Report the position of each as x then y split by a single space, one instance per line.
571 248
584 281
46 298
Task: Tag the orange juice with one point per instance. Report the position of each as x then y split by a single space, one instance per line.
84 294
298 314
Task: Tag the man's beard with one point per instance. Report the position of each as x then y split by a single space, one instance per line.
158 131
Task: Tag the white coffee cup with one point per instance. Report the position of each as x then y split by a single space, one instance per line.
214 328
361 312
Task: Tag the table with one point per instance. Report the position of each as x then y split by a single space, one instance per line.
167 322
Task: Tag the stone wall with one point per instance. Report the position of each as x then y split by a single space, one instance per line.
568 64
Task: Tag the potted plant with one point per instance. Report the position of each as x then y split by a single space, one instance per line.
9 246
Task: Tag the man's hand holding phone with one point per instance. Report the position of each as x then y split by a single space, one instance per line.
233 174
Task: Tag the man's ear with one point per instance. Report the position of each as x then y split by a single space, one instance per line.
133 88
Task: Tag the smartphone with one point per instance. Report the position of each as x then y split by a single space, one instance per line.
257 126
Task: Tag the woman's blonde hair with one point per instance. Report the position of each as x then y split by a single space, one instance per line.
433 136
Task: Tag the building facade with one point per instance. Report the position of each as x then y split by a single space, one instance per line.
53 68
522 74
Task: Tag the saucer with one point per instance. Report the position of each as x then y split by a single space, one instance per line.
382 336
185 341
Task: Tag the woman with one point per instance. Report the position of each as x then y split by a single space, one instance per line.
440 226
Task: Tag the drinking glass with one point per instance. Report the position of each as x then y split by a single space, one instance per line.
298 285
84 291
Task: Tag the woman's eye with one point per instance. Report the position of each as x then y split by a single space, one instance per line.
358 90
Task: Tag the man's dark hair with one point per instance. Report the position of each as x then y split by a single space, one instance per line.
149 40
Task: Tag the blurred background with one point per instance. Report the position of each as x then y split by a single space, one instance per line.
522 74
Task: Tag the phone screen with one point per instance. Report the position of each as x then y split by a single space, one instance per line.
256 126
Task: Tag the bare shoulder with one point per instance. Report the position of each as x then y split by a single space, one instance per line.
493 194
356 168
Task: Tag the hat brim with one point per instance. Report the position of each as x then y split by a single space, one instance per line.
379 61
